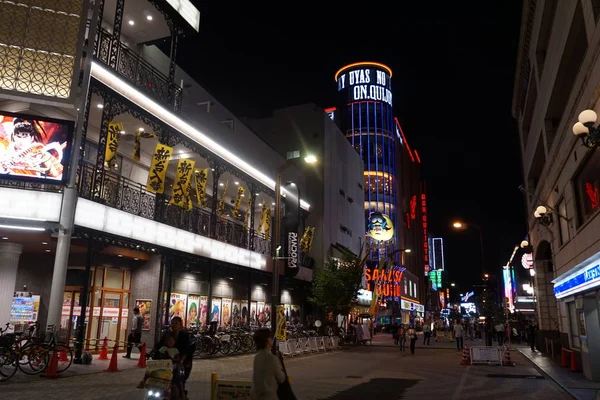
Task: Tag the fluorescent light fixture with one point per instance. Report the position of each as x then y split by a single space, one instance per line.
4 238
131 22
100 105
44 243
108 78
22 228
187 11
149 17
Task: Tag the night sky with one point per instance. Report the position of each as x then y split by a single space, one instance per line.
453 69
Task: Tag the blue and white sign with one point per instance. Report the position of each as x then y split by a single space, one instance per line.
583 277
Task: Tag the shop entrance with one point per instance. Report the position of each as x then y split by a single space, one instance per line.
71 310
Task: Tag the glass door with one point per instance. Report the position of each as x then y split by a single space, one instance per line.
111 312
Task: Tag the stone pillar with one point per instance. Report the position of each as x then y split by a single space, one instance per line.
9 263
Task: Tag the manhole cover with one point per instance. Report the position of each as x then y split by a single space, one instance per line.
515 376
354 377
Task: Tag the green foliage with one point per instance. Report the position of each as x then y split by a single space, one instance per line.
336 285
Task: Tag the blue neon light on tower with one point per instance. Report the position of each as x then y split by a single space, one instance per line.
366 117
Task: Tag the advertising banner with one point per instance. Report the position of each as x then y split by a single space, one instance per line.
34 148
226 313
158 168
203 310
215 315
180 194
177 306
112 144
193 311
145 307
201 179
291 226
280 333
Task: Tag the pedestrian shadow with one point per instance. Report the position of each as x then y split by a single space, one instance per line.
385 388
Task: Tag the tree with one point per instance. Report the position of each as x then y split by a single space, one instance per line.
336 285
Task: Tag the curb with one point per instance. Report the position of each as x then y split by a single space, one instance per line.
559 383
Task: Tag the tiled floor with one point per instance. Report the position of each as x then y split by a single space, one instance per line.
574 382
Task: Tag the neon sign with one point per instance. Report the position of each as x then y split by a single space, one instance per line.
380 227
593 194
366 84
425 239
413 207
385 283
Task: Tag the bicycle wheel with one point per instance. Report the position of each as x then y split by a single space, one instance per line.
32 359
8 363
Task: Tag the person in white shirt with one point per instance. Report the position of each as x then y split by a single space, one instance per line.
458 334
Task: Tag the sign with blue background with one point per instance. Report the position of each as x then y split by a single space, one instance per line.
584 279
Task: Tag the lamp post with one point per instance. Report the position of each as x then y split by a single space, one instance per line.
585 130
310 159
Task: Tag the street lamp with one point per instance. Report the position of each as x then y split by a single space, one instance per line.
542 215
453 284
461 225
585 130
309 159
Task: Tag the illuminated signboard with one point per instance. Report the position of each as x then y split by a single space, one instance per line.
469 308
331 113
385 282
366 81
508 288
425 237
34 148
584 276
436 279
437 259
380 227
466 297
412 306
527 261
442 299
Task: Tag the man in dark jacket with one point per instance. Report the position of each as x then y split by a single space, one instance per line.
531 334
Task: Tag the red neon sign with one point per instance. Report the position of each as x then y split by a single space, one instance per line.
425 241
593 194
413 207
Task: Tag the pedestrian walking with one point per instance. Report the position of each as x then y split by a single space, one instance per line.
531 334
402 337
426 333
412 335
135 336
458 334
267 372
499 328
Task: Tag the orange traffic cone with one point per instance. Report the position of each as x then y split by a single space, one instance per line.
142 361
466 358
52 367
112 367
62 356
507 361
104 351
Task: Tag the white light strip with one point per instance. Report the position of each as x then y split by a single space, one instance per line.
22 228
120 86
22 218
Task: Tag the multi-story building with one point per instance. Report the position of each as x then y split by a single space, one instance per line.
393 189
333 185
121 187
558 77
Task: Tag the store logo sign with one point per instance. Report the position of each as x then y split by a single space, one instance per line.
585 278
293 249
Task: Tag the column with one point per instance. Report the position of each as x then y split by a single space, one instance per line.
9 263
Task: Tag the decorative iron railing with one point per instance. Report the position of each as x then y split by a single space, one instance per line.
138 71
132 197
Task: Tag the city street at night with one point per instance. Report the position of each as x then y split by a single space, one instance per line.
356 373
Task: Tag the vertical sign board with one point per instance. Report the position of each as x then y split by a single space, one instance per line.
291 227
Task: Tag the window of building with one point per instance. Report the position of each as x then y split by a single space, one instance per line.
587 187
405 287
415 290
564 224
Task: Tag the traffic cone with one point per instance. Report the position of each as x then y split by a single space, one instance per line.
507 361
62 356
52 367
112 367
104 351
142 361
466 358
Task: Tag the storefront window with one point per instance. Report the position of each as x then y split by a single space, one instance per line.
99 277
574 322
114 279
587 187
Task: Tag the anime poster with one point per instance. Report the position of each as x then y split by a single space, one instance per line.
295 314
177 307
203 310
34 147
236 318
253 313
260 313
215 314
193 311
267 313
245 312
226 313
145 307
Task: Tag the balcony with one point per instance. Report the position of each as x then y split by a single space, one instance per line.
132 197
138 71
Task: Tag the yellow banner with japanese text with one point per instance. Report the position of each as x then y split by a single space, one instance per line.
137 146
238 201
221 205
112 144
158 168
201 180
180 195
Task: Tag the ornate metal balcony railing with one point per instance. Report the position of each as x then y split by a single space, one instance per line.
132 197
28 185
139 72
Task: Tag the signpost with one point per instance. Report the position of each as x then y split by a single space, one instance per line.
491 355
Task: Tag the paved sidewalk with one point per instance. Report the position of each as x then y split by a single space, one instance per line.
572 382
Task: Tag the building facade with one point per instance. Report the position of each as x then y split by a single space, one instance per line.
392 185
169 203
557 77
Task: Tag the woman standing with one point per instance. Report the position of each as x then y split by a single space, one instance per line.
412 335
267 373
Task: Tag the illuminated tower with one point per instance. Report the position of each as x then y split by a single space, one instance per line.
364 113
